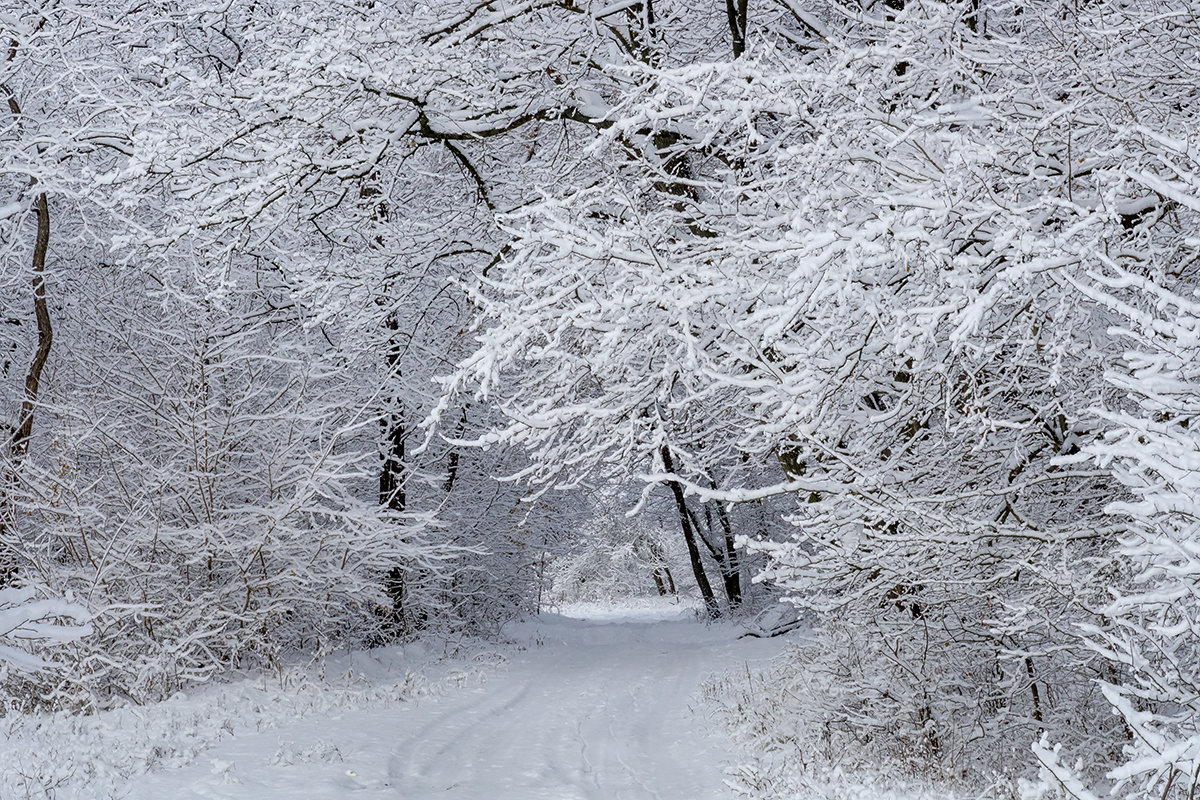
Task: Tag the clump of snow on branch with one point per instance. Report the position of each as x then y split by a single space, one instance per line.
28 621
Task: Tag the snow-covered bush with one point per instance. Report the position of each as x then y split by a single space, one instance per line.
1148 627
27 620
34 629
795 738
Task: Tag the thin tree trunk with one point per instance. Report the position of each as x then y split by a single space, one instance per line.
1033 690
731 566
735 12
452 460
403 617
662 573
391 474
710 601
722 551
33 378
18 442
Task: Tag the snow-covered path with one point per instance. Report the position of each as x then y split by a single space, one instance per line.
588 710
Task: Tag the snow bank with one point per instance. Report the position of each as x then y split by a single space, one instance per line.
793 749
64 757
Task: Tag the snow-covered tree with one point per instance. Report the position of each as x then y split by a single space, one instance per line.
1146 274
842 272
260 215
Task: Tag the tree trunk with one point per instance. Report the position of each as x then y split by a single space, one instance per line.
735 12
658 567
18 442
658 584
452 460
403 617
722 550
1033 690
391 474
731 565
710 601
33 378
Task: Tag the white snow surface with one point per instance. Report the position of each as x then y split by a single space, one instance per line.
591 703
589 709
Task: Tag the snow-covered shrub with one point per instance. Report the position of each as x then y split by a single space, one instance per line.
209 491
28 620
34 630
795 738
1148 628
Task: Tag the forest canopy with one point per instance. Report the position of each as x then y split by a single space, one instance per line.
327 324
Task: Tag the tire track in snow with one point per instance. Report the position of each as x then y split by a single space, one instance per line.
598 712
433 741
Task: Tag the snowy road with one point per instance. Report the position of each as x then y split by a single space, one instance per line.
589 710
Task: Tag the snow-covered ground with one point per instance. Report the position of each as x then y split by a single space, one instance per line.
594 702
64 756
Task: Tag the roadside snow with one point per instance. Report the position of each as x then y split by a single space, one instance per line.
69 757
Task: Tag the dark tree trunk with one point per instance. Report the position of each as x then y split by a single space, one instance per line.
663 581
721 548
391 474
710 601
45 331
20 435
404 616
731 576
731 563
735 12
1033 690
452 460
662 573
